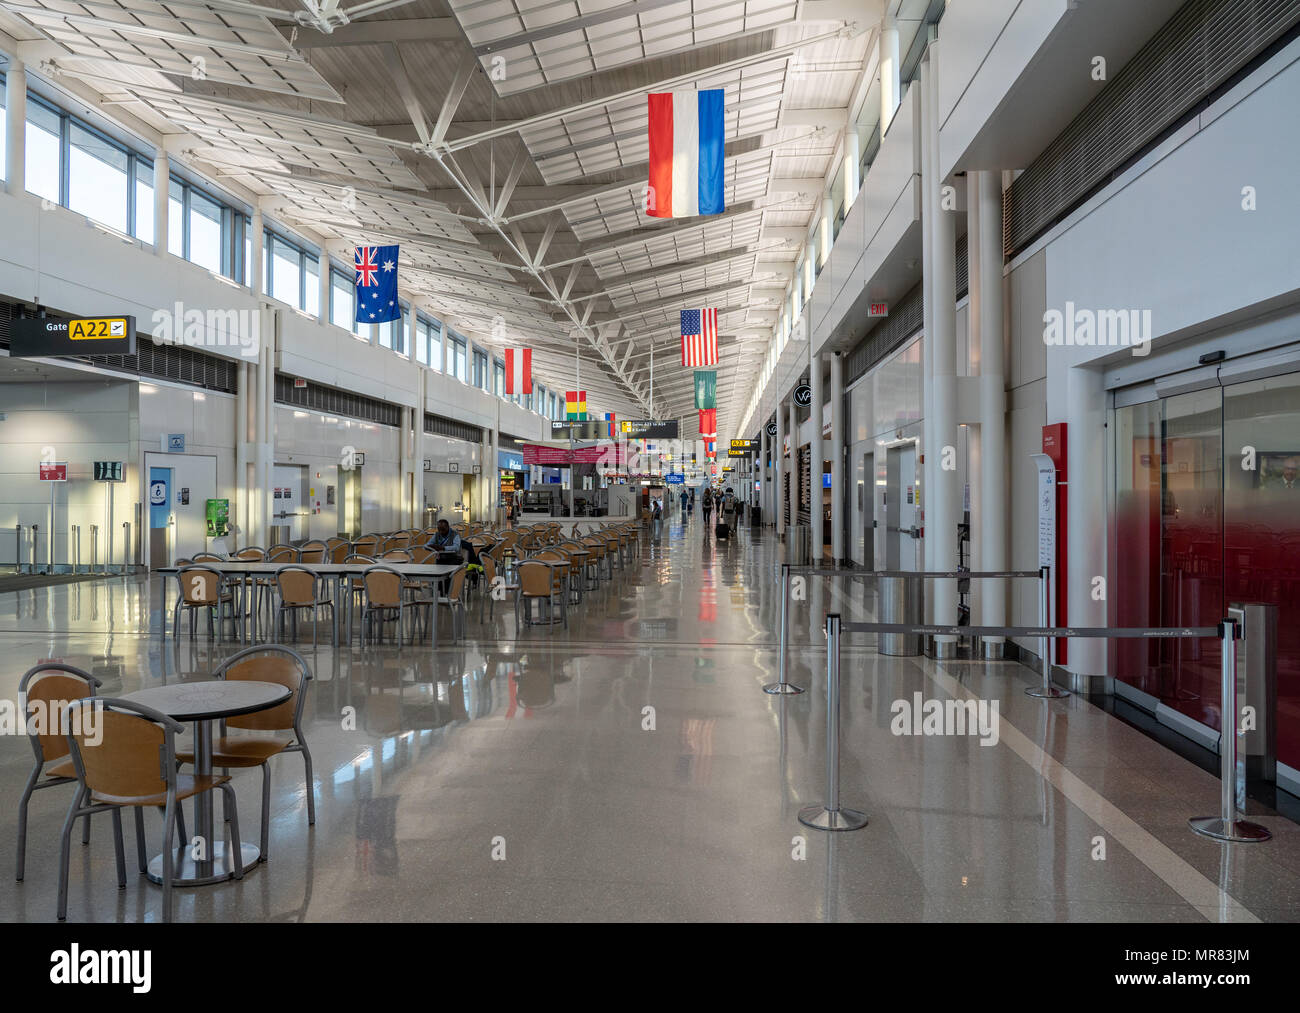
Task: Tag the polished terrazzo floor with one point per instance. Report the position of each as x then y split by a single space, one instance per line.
519 779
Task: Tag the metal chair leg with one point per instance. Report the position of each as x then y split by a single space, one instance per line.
22 819
119 853
168 855
139 840
237 850
65 848
266 811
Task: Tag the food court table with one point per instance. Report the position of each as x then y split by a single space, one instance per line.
202 703
331 571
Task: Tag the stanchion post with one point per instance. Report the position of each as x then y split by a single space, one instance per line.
781 687
1046 691
831 816
1226 826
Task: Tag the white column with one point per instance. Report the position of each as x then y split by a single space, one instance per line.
264 425
162 175
927 341
809 275
778 470
1086 534
852 153
889 79
815 458
943 495
257 244
837 459
826 229
16 127
987 251
491 468
242 513
764 473
793 467
323 300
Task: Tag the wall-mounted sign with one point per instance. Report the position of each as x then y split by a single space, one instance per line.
173 443
478 469
453 467
428 464
30 337
878 309
1046 509
54 472
803 395
109 471
675 478
299 383
771 429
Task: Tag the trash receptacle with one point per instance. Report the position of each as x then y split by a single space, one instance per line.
902 601
796 545
755 516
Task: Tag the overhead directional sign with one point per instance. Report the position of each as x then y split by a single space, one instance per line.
589 430
648 429
732 452
30 337
744 447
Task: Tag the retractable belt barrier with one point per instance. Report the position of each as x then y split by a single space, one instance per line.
1224 827
782 687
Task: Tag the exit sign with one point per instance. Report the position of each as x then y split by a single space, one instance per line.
879 309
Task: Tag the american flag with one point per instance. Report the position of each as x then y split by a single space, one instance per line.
700 337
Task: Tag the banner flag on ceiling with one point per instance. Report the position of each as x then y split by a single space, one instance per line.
706 388
708 422
613 425
687 153
519 370
376 300
575 405
700 337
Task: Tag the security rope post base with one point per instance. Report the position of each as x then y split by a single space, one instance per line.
781 687
831 816
1226 826
1046 691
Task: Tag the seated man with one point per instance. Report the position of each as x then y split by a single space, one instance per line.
447 544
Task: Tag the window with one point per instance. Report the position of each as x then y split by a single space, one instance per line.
97 177
44 143
421 340
456 358
4 119
292 274
311 285
142 173
204 237
480 370
342 292
499 380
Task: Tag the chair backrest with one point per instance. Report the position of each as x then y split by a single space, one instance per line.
269 663
400 541
251 553
200 585
489 564
43 694
366 545
551 554
207 557
123 750
457 590
422 555
297 584
282 554
383 586
534 579
312 552
397 556
357 557
338 549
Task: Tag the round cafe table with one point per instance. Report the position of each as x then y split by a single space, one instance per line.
202 703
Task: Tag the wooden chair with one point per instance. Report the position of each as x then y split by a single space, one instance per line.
43 692
397 556
313 551
383 597
202 587
130 761
337 549
537 582
285 667
489 586
301 590
208 557
366 545
454 599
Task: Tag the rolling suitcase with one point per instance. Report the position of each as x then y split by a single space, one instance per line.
721 530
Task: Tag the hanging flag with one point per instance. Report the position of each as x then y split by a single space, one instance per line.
710 448
700 337
613 429
376 299
575 405
708 422
706 388
687 157
519 370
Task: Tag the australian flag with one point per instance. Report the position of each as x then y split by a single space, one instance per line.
377 284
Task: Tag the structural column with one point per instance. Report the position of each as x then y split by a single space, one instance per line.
852 155
928 204
826 229
323 300
1085 534
779 471
162 174
16 127
816 456
792 427
943 494
838 555
986 252
889 73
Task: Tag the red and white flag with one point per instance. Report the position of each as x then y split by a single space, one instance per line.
519 370
700 337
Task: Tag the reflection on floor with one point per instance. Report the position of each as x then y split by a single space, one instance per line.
630 767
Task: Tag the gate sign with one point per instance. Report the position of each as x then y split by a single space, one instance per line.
54 472
44 336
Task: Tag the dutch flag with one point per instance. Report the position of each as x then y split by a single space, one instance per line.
686 153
